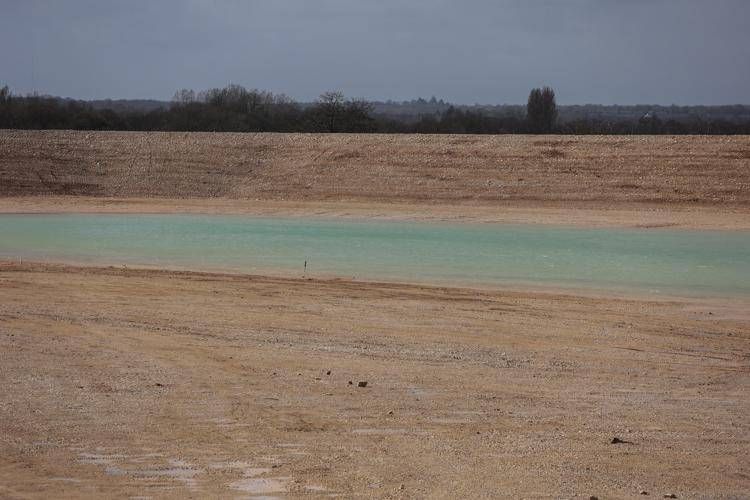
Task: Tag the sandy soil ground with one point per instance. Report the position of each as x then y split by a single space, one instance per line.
693 170
133 383
121 383
657 181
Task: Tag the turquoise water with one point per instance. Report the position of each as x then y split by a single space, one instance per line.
658 261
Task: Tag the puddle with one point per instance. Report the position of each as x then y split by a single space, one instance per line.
231 465
261 485
249 470
156 467
417 392
460 417
116 465
96 459
385 431
114 471
179 470
175 472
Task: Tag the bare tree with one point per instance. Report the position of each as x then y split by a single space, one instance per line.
331 106
183 96
335 113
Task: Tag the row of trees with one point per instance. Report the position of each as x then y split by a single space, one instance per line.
237 109
229 109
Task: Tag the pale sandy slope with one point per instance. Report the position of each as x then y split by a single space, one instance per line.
635 180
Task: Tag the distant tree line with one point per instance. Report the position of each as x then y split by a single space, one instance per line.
237 109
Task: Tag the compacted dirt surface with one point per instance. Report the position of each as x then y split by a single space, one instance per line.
144 383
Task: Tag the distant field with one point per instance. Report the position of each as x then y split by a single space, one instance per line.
608 170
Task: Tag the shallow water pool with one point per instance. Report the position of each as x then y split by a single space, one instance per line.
653 260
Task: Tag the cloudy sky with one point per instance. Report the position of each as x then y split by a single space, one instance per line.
486 51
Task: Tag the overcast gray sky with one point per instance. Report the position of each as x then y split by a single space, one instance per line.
486 51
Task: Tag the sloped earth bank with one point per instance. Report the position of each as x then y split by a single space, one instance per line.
692 170
651 181
117 383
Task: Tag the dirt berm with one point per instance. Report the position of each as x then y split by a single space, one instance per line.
442 169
